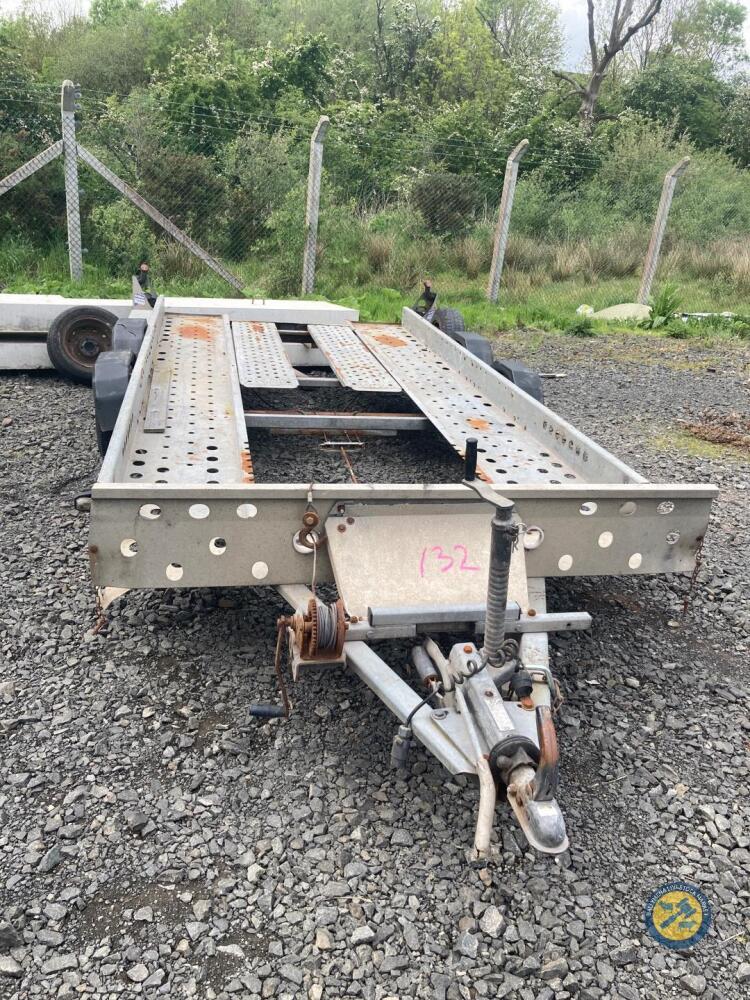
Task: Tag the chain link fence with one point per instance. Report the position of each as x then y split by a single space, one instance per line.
363 210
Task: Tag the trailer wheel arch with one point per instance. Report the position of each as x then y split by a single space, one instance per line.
77 337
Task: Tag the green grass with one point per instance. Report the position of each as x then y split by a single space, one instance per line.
688 444
551 306
544 305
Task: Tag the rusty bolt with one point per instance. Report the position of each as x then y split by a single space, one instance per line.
341 527
531 612
527 702
350 520
468 648
489 693
310 519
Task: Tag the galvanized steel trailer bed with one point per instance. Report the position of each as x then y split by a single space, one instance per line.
176 505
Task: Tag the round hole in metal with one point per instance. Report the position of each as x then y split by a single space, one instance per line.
246 510
217 546
605 539
673 537
199 511
565 563
259 570
635 560
628 508
174 572
588 507
665 507
129 547
533 538
150 511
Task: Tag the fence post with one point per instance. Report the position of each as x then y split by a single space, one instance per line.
503 218
313 204
70 155
660 224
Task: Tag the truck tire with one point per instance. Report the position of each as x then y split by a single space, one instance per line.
450 321
76 338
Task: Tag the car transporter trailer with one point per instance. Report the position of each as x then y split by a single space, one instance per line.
176 505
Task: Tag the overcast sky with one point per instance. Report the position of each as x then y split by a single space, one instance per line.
573 15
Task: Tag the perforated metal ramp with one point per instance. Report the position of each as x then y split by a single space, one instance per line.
354 365
508 452
191 425
261 360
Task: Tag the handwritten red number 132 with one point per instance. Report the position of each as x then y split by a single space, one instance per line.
435 558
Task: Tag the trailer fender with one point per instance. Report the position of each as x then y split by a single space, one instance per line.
128 334
111 376
522 376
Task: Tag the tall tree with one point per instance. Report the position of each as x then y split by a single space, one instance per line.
624 25
712 30
527 32
657 36
401 31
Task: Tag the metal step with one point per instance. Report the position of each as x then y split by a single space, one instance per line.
191 428
261 360
508 452
354 365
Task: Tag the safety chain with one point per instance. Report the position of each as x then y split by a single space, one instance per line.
693 577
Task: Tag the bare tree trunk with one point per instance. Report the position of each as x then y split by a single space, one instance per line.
619 36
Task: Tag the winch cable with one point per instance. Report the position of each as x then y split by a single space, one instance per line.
327 623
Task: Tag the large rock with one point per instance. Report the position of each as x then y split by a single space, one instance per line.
625 311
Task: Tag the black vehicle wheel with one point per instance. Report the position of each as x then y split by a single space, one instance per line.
450 321
77 337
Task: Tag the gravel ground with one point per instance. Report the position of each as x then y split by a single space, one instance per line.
155 841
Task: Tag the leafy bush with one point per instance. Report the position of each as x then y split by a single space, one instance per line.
581 327
664 304
449 203
122 236
285 243
260 170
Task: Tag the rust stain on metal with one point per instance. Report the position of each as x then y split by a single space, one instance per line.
246 463
478 423
196 331
389 340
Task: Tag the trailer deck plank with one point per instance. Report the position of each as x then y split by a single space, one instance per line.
508 452
202 437
261 360
355 366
